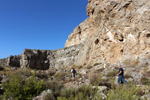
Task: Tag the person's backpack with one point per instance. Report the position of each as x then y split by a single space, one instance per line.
74 71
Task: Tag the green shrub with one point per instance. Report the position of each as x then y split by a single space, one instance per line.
55 86
123 93
66 92
20 88
26 72
82 93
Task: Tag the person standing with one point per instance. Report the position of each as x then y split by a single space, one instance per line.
73 72
121 76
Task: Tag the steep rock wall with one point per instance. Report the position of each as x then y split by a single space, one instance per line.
79 34
117 30
44 59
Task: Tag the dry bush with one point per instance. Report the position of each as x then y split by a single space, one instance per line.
55 86
51 71
112 73
82 93
42 75
6 71
21 71
61 76
94 78
146 74
85 76
145 81
127 76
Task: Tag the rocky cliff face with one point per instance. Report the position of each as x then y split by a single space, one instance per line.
44 59
116 30
79 34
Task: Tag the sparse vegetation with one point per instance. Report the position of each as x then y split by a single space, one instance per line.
24 84
55 86
124 93
127 76
95 78
112 73
82 93
20 88
61 76
145 81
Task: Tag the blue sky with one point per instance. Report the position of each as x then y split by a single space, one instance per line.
38 24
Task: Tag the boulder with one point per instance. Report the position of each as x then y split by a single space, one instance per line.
45 95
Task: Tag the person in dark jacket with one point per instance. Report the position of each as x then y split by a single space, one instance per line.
121 76
73 72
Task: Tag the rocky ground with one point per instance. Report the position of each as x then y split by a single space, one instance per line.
116 33
101 76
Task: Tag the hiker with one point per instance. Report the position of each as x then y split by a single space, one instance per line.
120 75
73 72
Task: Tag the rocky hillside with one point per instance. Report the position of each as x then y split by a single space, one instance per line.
116 30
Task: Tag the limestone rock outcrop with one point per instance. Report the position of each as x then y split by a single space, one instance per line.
44 59
116 30
79 34
14 61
